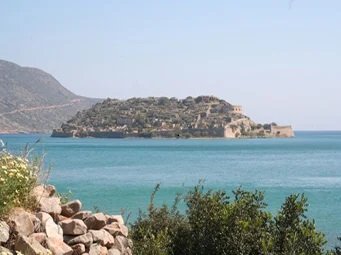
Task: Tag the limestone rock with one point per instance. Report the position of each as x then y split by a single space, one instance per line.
5 251
82 215
40 237
43 217
58 247
73 227
116 228
115 218
4 232
50 205
96 221
78 249
36 222
49 226
121 243
43 191
53 230
127 251
22 222
85 239
102 237
71 208
30 246
59 218
96 249
114 251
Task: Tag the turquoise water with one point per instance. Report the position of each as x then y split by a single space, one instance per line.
112 174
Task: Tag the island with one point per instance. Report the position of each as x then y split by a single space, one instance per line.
163 117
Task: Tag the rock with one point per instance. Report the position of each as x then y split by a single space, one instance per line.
49 226
36 223
4 232
67 238
116 228
127 252
102 237
96 249
50 205
30 246
114 251
58 218
5 251
78 249
53 230
43 191
115 218
22 222
82 215
73 227
121 243
96 221
85 239
71 208
58 247
40 237
43 217
130 243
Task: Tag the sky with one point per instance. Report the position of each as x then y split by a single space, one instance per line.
280 59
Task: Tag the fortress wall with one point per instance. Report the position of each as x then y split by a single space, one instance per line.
228 133
205 132
282 131
237 109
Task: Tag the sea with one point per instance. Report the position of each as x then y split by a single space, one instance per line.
118 175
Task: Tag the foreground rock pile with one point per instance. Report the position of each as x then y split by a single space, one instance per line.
62 229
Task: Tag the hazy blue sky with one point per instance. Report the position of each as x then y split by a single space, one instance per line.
282 64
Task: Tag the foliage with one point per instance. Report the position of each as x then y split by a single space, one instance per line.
156 232
65 197
216 224
18 176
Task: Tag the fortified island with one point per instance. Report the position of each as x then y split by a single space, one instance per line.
200 117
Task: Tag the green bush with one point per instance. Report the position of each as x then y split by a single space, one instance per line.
18 176
216 224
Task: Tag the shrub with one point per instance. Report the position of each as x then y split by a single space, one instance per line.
18 176
213 223
156 232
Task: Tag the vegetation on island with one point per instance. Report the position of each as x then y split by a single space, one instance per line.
203 116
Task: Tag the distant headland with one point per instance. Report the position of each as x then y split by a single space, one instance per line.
153 117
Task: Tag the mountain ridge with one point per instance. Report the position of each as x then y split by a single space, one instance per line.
32 100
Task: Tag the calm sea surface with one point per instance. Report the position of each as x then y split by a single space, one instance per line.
112 174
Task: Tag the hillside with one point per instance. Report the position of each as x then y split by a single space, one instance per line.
204 116
32 100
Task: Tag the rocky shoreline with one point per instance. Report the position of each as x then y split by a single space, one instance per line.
62 229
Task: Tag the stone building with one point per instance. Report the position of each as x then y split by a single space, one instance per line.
237 109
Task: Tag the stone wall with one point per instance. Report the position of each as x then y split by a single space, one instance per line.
237 109
62 229
282 131
229 133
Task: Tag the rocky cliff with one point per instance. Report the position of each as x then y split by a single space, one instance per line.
203 116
